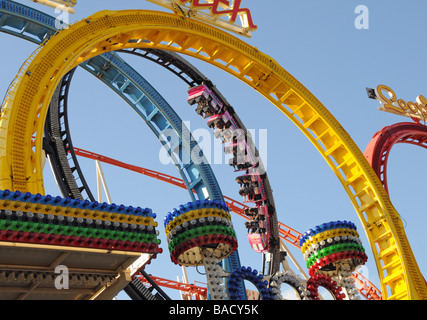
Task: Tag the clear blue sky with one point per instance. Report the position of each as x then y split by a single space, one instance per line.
317 42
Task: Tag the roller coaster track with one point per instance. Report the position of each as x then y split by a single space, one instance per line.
378 150
121 79
198 291
21 165
58 144
369 292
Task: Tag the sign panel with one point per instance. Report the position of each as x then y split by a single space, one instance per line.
390 103
62 5
225 14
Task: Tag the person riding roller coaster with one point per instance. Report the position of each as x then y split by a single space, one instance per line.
239 163
220 124
252 224
246 185
257 223
204 109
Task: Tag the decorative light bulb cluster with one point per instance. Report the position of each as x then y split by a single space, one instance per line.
346 282
321 280
332 251
47 278
215 277
332 247
292 280
33 218
235 284
198 227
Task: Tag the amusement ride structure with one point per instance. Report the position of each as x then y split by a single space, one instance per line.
106 246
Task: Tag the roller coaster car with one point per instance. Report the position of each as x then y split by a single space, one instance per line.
224 135
242 159
243 179
237 146
246 183
204 110
221 121
253 191
251 212
208 103
259 234
242 163
228 135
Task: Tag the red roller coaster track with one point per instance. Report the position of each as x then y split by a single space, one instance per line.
200 293
378 149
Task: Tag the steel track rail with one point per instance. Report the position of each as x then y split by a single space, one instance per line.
58 145
378 150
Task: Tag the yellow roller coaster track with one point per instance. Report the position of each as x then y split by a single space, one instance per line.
24 112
